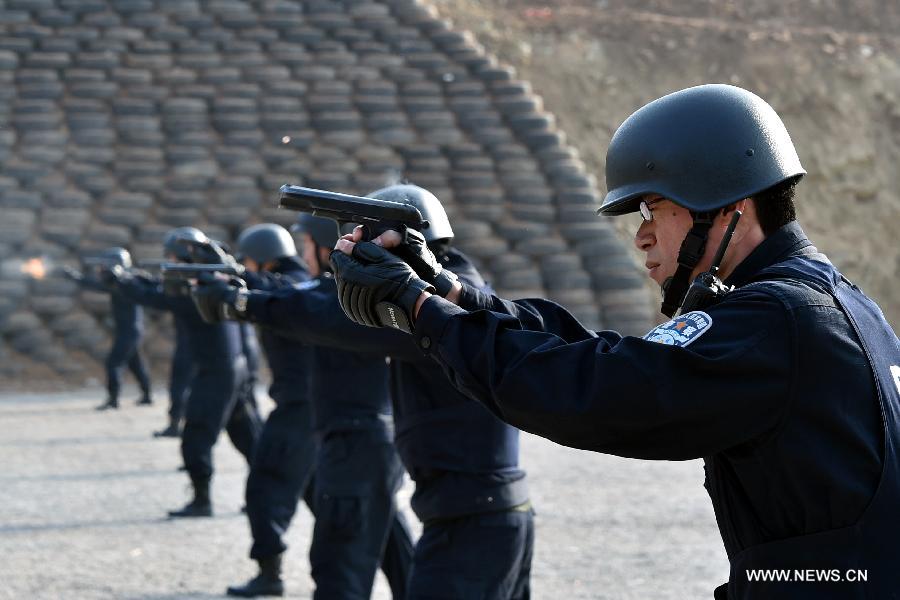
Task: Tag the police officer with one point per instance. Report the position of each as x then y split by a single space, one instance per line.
357 472
464 461
219 370
128 326
282 466
784 377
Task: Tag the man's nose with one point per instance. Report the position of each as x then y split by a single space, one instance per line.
644 238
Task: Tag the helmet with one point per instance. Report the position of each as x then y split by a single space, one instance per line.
178 242
117 256
431 208
324 232
265 242
704 148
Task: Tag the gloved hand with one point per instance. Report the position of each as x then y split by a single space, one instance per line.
215 298
415 252
376 288
211 253
115 274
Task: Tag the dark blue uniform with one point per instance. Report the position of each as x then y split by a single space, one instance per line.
282 467
357 469
180 374
128 325
783 387
219 370
469 488
253 356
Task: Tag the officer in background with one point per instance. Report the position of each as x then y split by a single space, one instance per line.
282 466
219 369
357 471
784 377
128 327
181 371
469 490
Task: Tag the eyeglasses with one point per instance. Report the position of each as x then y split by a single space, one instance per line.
645 209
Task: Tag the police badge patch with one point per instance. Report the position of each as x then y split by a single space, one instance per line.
682 330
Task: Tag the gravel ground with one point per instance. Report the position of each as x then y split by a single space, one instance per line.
83 497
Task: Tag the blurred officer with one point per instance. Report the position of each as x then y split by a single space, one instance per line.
128 327
181 371
470 493
282 465
785 377
357 471
219 369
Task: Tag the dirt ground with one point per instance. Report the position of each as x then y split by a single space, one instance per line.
83 496
830 68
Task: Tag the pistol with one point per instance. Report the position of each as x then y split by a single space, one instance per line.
376 216
177 277
185 271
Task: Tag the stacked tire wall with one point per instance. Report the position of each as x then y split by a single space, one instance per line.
120 119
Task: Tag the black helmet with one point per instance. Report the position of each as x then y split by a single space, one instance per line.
431 208
179 241
117 256
324 232
265 242
111 256
704 148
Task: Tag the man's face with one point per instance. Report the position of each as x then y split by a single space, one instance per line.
660 239
250 264
309 255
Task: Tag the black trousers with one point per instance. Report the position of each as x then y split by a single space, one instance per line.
485 555
357 524
125 351
180 376
281 471
214 404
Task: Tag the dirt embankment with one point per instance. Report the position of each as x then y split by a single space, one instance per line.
831 71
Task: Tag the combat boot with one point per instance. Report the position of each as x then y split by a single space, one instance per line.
145 400
173 430
200 506
267 583
110 403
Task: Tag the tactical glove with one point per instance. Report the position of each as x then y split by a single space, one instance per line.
212 253
376 288
415 252
216 299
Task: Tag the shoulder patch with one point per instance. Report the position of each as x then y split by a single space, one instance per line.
682 330
306 285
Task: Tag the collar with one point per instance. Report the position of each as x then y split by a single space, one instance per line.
787 241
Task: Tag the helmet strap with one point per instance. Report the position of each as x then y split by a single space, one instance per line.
690 253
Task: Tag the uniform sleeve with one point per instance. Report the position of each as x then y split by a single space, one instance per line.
627 396
267 281
314 316
149 293
89 283
534 314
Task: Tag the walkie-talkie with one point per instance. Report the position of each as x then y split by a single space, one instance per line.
707 286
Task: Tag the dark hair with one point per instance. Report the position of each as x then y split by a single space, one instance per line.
775 206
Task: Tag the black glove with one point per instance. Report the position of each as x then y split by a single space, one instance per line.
415 252
216 299
211 253
376 288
